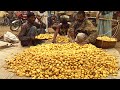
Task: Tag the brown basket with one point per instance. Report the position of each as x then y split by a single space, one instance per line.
105 44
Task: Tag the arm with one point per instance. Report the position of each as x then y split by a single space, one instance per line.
55 34
42 25
92 37
97 16
91 31
73 25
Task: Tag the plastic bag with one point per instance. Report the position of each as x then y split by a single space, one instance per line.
10 37
81 37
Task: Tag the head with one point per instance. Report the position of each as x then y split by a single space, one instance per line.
41 11
64 21
53 17
80 16
31 17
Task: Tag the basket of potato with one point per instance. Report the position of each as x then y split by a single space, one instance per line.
44 36
105 42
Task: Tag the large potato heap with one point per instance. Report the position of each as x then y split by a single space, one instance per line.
64 61
106 38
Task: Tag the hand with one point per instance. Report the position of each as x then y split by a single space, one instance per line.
83 43
54 41
32 37
76 40
73 40
39 18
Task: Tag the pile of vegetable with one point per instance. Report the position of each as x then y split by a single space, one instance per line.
64 61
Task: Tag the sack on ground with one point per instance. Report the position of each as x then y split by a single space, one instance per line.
10 37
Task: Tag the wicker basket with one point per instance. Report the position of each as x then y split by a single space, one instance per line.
105 44
116 31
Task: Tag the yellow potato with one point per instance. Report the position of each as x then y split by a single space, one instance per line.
64 61
106 38
45 36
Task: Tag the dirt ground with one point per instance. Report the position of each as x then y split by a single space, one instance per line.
4 29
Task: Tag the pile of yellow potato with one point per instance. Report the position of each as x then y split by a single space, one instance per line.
106 38
63 39
45 36
59 39
64 61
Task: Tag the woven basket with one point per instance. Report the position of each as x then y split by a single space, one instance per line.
116 31
105 44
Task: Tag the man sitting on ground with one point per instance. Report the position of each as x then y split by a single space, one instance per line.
29 30
84 31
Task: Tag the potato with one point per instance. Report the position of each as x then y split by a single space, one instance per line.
45 36
64 61
106 38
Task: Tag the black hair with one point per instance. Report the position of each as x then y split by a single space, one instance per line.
63 20
81 12
41 11
29 14
64 25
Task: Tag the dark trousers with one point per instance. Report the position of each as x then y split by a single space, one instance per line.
32 33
